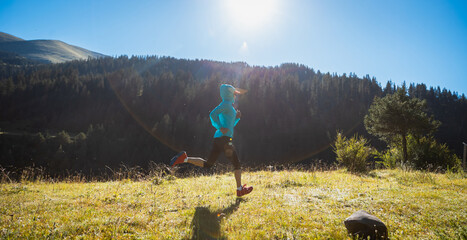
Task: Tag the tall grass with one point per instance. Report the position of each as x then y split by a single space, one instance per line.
285 204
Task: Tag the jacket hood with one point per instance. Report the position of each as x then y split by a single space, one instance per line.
227 92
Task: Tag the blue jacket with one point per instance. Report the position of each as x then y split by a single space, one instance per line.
225 115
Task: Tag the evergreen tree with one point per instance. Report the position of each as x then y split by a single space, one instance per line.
289 114
393 117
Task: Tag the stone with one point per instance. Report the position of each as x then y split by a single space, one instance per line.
363 225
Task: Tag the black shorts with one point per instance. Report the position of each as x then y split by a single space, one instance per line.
223 144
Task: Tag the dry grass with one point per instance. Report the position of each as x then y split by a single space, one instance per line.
286 204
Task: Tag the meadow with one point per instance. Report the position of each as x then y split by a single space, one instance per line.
286 204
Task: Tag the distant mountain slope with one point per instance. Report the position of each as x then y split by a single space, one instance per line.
48 51
5 37
8 58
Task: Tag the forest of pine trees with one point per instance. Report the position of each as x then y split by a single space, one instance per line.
85 115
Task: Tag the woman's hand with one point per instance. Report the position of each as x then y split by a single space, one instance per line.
224 130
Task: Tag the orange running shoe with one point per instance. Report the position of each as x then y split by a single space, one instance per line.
245 190
179 158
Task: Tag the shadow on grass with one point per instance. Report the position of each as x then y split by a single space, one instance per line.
207 224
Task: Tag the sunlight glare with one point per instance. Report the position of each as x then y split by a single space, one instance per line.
251 14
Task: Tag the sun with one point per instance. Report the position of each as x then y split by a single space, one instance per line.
251 14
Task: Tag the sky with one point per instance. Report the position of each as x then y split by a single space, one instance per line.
416 41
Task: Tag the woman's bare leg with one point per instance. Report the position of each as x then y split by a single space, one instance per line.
238 177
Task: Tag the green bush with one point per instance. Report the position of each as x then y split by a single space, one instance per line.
353 153
390 158
426 153
423 153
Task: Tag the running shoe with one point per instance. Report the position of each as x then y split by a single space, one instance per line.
179 158
245 190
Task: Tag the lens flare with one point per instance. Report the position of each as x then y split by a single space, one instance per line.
251 13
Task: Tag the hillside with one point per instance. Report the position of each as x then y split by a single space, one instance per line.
139 110
284 205
46 51
5 37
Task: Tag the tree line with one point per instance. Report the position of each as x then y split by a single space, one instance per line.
84 115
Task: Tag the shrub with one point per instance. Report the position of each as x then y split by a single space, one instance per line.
390 158
423 154
426 153
353 153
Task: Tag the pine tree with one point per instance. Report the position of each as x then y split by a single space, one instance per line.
398 115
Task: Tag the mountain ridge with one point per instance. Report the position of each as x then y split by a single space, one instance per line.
45 51
5 37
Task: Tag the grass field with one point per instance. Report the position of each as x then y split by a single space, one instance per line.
288 204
